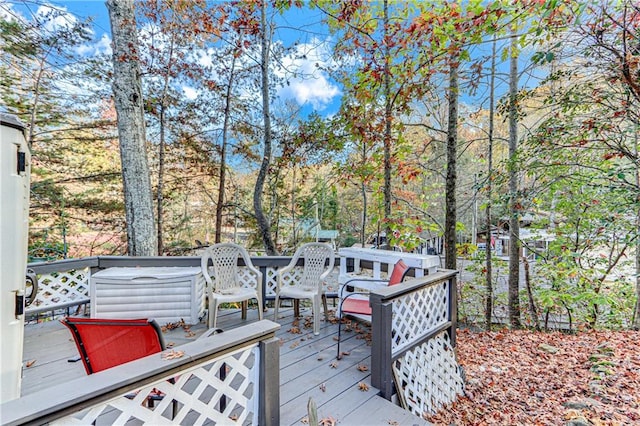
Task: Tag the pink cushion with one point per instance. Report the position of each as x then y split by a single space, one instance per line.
356 306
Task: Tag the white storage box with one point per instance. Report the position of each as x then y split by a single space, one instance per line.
166 294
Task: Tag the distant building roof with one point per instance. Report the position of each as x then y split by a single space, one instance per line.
326 234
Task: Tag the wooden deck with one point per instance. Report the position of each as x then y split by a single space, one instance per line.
308 368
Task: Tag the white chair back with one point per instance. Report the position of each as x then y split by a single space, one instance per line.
315 267
223 274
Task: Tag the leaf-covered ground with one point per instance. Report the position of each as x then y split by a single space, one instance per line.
529 378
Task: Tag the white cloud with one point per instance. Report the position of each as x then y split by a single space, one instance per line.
102 46
189 92
308 83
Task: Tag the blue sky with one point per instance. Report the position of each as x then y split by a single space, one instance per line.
315 93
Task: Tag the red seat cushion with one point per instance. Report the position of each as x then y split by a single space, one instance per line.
356 306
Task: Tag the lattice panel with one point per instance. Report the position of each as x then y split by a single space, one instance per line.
203 395
330 284
61 289
246 277
293 276
271 282
417 313
428 376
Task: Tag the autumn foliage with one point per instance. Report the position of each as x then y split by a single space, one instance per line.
528 378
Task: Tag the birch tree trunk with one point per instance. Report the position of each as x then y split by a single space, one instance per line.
514 206
450 259
127 91
262 221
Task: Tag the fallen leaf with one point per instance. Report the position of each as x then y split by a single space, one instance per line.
362 367
363 386
323 387
295 330
172 354
30 363
327 421
393 423
334 364
305 420
294 345
170 345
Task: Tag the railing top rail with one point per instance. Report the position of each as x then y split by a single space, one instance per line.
144 261
64 265
387 293
85 391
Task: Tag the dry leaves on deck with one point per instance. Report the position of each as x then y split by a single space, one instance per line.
172 325
518 377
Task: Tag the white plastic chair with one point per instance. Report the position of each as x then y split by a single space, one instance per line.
224 280
319 259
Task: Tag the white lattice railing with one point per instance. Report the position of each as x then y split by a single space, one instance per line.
228 378
413 342
418 313
60 290
427 376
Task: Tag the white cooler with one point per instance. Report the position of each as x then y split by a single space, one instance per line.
166 294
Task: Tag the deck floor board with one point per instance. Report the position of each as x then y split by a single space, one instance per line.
308 368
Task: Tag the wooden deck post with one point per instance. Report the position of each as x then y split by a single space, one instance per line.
381 372
269 387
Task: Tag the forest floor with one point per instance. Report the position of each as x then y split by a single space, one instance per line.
535 378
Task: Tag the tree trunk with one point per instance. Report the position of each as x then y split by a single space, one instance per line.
127 91
159 189
450 259
533 310
514 206
161 151
636 311
261 219
388 117
223 152
488 307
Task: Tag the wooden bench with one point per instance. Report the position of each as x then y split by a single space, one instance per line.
382 260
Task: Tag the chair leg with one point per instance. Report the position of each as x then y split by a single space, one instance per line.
245 303
316 315
213 315
339 355
324 305
210 313
260 308
296 308
276 304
